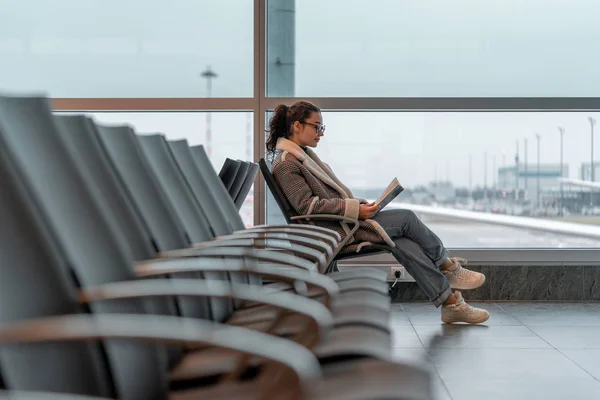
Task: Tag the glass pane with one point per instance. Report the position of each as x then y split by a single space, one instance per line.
133 48
465 164
433 48
231 136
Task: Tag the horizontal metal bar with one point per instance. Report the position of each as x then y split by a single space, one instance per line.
332 104
508 256
445 103
154 104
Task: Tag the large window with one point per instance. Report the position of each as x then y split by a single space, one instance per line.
469 161
443 95
132 48
436 48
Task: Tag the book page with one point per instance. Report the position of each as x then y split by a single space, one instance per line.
389 194
393 184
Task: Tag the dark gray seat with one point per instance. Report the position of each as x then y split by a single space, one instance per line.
228 172
246 185
240 177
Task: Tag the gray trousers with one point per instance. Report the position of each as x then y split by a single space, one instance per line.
419 250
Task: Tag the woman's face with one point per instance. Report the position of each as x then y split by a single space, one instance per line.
309 132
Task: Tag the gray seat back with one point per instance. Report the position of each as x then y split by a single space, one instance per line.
204 193
83 239
247 185
228 172
176 187
239 179
225 203
79 135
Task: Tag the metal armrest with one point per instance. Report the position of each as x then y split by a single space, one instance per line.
309 254
248 253
332 217
289 237
26 395
288 275
298 361
323 237
314 228
320 319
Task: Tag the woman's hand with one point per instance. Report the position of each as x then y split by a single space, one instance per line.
366 211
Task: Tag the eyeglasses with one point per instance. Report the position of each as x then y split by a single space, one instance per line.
318 127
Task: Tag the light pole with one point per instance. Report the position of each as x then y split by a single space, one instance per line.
494 177
561 130
485 192
470 177
209 75
526 168
539 138
592 172
517 173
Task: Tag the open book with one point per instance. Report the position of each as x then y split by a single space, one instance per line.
393 190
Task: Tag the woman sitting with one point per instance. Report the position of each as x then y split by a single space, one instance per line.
311 187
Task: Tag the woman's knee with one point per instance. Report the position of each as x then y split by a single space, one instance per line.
406 214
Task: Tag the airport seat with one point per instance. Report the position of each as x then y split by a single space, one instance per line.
239 178
59 237
247 185
228 172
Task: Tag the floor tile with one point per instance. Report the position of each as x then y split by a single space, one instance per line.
399 318
406 337
479 337
530 389
588 359
570 337
504 364
430 316
419 357
416 356
526 350
473 331
517 308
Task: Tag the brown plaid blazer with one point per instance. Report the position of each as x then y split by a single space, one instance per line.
311 187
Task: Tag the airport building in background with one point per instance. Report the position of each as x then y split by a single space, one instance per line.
528 178
585 171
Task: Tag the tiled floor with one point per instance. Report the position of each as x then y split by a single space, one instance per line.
525 351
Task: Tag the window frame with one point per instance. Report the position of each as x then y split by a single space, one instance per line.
260 104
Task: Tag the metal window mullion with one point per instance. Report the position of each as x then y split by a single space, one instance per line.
439 104
259 107
153 104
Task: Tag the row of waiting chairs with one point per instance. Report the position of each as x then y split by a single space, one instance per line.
127 273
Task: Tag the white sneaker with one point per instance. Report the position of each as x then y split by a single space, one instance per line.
462 278
462 312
